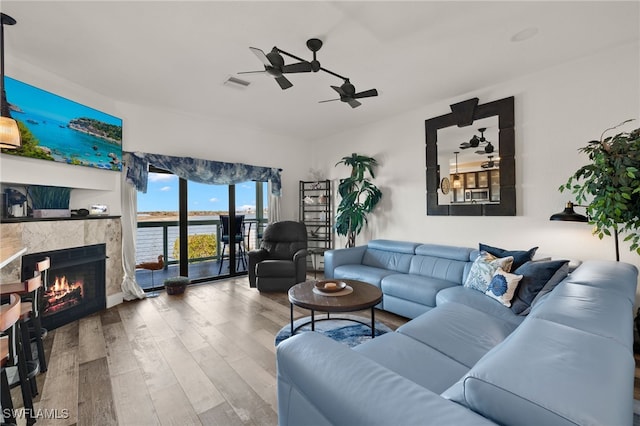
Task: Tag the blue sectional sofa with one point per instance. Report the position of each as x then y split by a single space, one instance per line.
465 358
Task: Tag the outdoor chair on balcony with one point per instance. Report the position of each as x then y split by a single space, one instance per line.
281 261
238 239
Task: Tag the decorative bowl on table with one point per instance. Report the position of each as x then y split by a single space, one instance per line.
330 286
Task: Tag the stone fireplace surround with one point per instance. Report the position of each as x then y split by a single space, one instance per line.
38 236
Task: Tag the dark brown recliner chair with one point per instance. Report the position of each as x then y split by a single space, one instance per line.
281 260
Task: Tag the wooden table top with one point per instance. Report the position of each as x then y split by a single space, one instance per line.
363 296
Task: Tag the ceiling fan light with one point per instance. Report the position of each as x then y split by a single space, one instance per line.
474 141
9 133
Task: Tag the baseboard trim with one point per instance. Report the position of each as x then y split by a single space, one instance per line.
115 299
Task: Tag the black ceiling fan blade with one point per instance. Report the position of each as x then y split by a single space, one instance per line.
262 56
366 94
353 103
328 100
283 82
251 72
465 145
297 67
339 90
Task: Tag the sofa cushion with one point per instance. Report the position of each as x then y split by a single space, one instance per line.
368 274
548 373
413 360
483 269
478 301
416 288
591 309
536 274
393 261
438 267
520 257
503 286
458 331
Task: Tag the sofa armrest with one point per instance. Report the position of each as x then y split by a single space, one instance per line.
346 256
321 381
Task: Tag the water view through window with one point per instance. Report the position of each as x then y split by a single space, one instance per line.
159 224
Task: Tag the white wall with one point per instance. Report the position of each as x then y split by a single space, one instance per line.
162 132
170 133
557 111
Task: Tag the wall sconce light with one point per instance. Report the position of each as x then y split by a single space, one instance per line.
9 132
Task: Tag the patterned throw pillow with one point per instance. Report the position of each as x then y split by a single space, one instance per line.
483 269
503 286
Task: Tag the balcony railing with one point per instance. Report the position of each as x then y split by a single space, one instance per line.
155 237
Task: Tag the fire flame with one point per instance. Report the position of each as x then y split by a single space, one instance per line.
62 286
62 294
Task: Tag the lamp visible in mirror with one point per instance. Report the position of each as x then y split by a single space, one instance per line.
9 132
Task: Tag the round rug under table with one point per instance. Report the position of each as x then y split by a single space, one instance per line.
339 328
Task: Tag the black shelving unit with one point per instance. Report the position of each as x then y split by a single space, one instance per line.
316 210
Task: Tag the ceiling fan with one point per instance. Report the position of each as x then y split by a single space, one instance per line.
274 65
476 141
348 94
490 163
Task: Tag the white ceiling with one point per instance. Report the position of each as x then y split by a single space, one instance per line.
175 55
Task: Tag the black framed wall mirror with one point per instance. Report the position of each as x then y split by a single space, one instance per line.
470 158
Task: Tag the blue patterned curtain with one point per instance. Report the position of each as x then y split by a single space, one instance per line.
197 170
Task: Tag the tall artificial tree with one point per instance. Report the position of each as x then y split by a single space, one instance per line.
358 196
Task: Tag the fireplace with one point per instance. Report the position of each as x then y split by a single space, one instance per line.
74 286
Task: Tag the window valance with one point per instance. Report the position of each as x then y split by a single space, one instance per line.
197 170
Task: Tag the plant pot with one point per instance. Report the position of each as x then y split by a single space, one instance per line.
176 285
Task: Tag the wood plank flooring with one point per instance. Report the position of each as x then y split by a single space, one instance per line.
203 358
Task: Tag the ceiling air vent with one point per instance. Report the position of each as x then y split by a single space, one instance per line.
232 81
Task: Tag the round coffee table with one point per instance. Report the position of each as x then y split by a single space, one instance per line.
363 296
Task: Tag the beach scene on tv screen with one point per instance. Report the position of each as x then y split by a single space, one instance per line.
58 129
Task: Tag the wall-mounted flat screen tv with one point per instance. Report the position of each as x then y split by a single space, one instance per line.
58 129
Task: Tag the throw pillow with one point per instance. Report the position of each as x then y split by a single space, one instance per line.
535 277
503 286
483 268
560 275
520 257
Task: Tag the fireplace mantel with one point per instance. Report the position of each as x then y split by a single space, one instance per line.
44 235
50 219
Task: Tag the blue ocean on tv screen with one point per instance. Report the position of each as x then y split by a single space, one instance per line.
48 116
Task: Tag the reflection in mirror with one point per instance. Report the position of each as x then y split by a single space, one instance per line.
469 160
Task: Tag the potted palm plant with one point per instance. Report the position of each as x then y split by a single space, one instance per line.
610 186
358 196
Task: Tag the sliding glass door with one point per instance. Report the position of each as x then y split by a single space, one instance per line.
184 220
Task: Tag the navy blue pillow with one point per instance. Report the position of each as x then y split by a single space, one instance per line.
520 257
535 275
